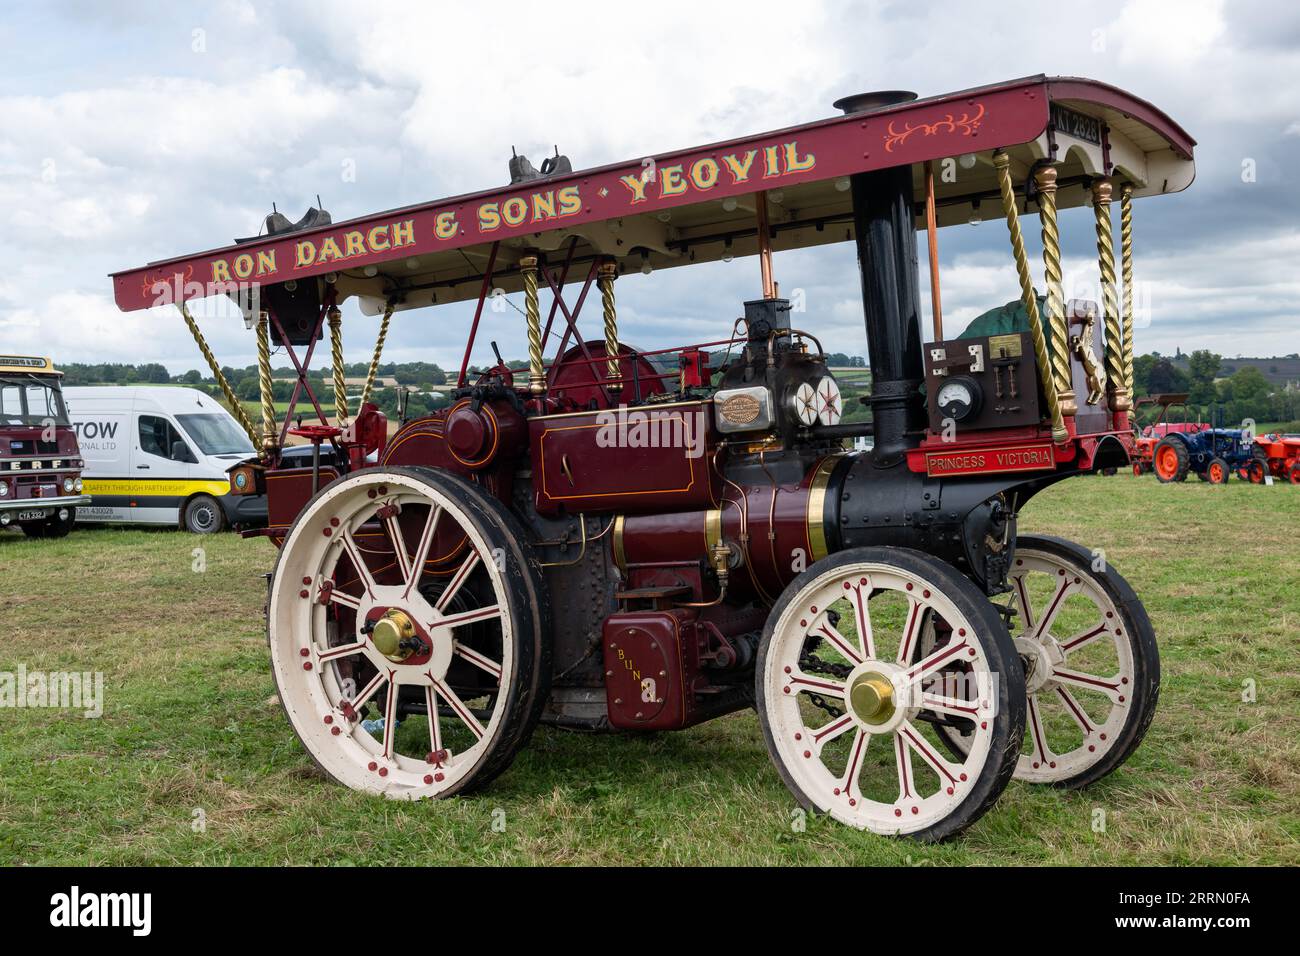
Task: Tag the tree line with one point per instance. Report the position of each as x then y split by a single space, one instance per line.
1245 393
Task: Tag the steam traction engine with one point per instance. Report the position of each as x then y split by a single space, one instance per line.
620 539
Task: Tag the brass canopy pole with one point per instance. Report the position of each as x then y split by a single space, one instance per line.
932 241
1102 191
606 272
265 385
536 374
379 351
764 245
1045 178
340 383
1126 261
236 408
1002 163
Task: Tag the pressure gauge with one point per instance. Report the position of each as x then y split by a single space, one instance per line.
959 398
805 404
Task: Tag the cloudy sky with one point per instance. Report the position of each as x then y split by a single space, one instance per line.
139 131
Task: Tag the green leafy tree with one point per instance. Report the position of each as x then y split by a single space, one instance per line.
1202 367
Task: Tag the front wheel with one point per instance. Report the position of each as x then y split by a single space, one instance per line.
409 633
1216 472
847 700
1170 460
52 527
203 515
1092 667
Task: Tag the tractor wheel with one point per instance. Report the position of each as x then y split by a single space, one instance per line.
1092 667
1170 460
408 593
1137 469
1216 472
1256 470
1293 473
844 694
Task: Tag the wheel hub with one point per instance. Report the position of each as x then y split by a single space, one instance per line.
394 635
1039 658
871 696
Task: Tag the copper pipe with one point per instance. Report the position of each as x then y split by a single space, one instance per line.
764 245
933 242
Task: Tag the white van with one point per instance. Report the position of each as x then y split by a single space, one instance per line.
159 455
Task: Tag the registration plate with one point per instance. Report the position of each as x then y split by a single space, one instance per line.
31 515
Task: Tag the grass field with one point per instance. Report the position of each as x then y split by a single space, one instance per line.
192 732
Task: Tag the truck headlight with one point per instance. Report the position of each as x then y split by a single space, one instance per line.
68 485
77 485
4 489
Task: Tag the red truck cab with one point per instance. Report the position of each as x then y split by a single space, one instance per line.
40 463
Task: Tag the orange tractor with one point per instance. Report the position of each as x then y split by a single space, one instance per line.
1276 455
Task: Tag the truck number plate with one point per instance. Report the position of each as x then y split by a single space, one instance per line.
30 515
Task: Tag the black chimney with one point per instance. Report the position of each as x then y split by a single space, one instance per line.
883 225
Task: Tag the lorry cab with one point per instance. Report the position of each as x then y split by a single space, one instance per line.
40 465
158 455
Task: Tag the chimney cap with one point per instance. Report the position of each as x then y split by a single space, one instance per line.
875 100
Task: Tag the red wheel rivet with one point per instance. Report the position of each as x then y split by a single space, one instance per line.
972 652
329 718
814 610
383 771
924 594
372 765
1035 766
303 652
428 778
909 587
984 725
383 489
852 802
847 585
1019 562
803 623
962 777
304 593
787 669
1092 748
1121 699
1052 764
897 812
306 665
438 777
807 753
961 632
1110 613
327 531
837 791
916 810
431 758
863 581
1061 572
335 731
306 580
1123 680
786 689
334 522
1103 736
950 791
370 493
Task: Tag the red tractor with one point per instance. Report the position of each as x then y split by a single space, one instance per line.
1276 455
632 540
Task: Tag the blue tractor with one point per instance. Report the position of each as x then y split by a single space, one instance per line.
1212 453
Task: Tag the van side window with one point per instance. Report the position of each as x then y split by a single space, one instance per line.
157 436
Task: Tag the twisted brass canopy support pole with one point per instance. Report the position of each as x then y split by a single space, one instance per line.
1102 191
264 383
379 351
536 373
606 273
1045 178
1126 260
340 383
1002 163
236 408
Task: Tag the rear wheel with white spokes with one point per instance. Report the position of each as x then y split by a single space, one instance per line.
1092 667
847 699
408 632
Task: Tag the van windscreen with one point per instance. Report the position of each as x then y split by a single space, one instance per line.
216 434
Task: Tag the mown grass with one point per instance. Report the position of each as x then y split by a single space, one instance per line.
191 724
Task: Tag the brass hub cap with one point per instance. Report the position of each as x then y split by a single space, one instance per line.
394 635
871 696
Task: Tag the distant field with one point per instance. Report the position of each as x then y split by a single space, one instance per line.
191 728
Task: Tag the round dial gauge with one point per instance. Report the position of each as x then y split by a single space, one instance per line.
805 404
829 406
958 398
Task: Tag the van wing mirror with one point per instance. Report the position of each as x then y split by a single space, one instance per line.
181 452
